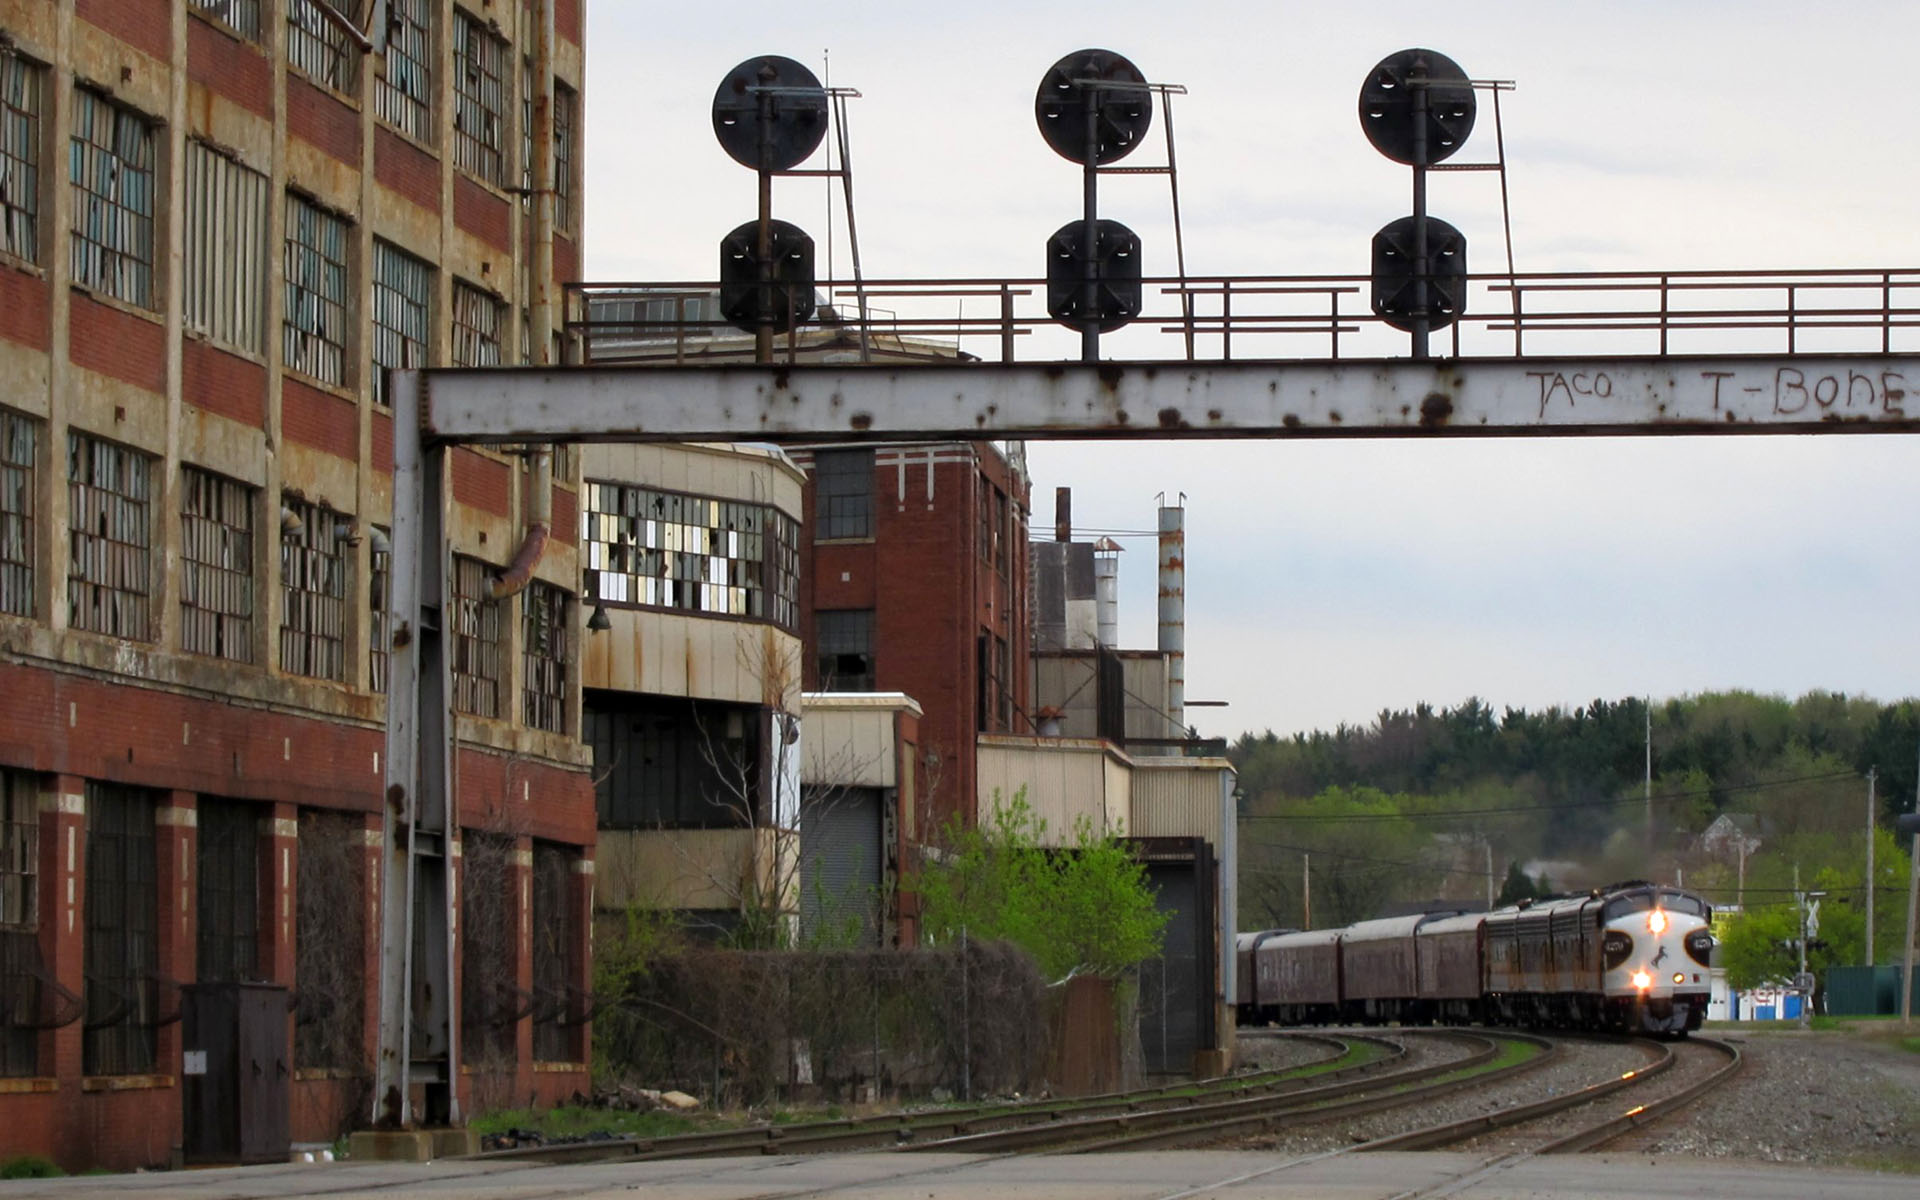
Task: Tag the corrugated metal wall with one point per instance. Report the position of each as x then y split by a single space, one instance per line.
840 856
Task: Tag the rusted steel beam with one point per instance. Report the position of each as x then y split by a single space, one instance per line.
1541 397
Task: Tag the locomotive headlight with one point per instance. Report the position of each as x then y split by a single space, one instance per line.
1642 980
1679 977
1657 922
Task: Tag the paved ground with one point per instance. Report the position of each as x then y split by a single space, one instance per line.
1157 1176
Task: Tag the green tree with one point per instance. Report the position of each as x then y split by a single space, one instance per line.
1085 908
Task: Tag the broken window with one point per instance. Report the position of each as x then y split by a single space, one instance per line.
545 631
319 49
122 951
21 83
242 16
402 314
663 549
380 573
19 438
216 557
316 324
403 94
844 642
112 170
474 626
110 512
229 891
479 99
670 762
476 327
313 591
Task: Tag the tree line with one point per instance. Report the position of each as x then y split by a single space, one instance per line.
1447 803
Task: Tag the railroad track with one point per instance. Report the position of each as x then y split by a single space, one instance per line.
1349 1056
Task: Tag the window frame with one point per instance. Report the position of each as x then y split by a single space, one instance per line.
218 579
313 619
23 106
226 891
403 89
19 469
225 264
121 957
546 641
399 322
477 318
476 655
482 96
636 541
119 257
843 496
20 964
123 511
244 17
840 634
318 267
318 50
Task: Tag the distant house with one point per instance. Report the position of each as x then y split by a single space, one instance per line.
1731 835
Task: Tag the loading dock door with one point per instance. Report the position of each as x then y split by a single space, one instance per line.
840 865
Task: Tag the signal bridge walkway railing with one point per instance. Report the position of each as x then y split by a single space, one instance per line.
1224 318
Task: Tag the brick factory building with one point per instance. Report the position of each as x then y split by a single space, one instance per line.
219 223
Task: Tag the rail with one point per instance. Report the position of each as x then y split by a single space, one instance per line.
1224 318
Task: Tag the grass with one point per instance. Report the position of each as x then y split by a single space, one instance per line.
30 1166
576 1121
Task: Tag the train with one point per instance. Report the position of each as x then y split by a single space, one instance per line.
1631 957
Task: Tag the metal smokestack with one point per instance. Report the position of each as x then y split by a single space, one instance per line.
1062 514
1106 592
1173 613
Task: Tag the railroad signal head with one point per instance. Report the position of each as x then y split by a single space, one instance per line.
1104 82
774 98
1388 106
1116 270
1396 276
1907 824
783 303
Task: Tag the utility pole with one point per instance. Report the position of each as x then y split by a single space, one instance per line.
1871 773
1489 845
1306 890
1649 782
1913 904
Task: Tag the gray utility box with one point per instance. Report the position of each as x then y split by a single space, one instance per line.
236 1072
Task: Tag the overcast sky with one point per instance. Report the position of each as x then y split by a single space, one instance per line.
1328 580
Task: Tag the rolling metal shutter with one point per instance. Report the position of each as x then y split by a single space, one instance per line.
840 863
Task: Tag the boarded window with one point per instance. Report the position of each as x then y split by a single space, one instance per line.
21 84
319 49
110 513
243 16
491 1003
666 761
224 276
649 548
216 557
316 321
19 442
19 923
330 943
112 171
402 314
122 950
313 592
843 494
229 891
476 327
557 942
475 641
545 632
380 573
403 94
479 100
844 642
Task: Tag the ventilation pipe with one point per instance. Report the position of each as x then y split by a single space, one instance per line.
539 505
1106 592
1062 514
1173 611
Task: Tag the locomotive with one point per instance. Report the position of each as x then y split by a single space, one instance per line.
1631 957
